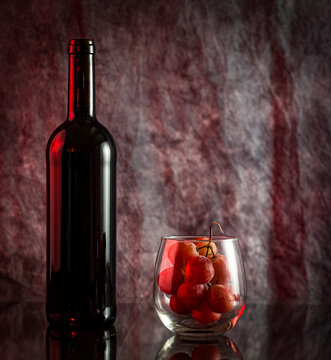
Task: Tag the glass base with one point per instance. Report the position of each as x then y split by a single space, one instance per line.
187 330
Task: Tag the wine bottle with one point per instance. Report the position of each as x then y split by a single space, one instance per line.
81 205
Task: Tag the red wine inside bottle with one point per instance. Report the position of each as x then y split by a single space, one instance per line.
81 205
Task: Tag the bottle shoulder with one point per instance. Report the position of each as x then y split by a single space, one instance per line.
81 135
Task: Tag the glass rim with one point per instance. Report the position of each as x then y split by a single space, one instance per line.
199 238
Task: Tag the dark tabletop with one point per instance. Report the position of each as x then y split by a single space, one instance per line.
264 332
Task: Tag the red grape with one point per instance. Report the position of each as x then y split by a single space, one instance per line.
177 307
220 298
170 279
180 252
206 352
190 295
222 274
203 251
204 315
180 356
199 270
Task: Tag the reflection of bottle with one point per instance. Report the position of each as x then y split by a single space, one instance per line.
81 205
177 348
80 344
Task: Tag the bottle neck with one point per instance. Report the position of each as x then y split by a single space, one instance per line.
81 99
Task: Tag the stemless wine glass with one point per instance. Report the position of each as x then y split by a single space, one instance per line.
199 284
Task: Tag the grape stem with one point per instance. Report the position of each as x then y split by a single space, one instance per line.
211 236
208 246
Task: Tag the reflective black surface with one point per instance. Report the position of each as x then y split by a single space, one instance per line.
264 332
80 344
222 347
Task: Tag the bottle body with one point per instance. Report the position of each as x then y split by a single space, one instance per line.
81 223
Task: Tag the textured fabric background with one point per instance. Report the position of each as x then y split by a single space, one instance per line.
220 110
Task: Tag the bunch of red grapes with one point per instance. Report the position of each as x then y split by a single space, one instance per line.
198 281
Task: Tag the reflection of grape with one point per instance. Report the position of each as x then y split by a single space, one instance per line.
206 352
180 252
203 251
199 270
177 307
170 279
222 274
180 356
204 315
190 295
220 298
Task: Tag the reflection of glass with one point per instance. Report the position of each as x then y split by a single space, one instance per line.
81 344
221 347
199 287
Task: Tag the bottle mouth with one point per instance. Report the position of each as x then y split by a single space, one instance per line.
81 46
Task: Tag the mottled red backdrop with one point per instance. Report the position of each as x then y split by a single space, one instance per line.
221 111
